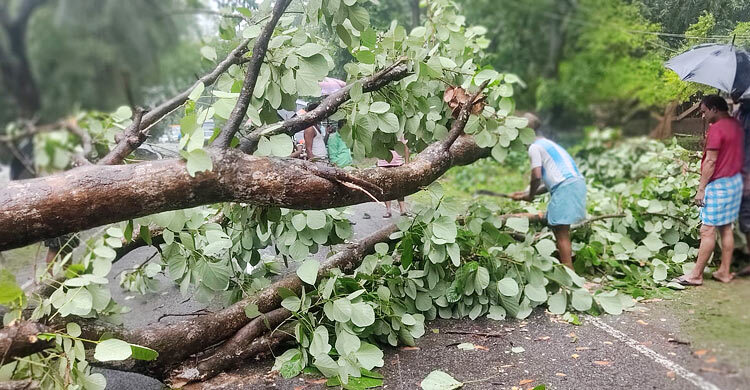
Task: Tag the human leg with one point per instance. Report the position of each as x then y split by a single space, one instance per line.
727 250
387 209
706 248
402 206
564 250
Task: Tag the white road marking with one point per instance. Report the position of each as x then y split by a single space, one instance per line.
691 377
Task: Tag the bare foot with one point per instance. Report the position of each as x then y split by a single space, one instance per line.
724 278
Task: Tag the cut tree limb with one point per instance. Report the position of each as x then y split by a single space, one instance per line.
251 77
235 350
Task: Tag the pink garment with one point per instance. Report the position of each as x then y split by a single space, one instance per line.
396 159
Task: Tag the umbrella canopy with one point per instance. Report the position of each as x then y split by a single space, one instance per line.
722 66
330 85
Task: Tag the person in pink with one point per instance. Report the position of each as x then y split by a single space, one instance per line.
396 161
720 189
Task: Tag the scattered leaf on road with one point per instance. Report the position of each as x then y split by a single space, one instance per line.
671 374
525 381
710 360
700 352
575 356
439 380
602 362
543 338
410 348
560 374
517 349
642 322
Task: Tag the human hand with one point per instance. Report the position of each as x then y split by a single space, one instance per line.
519 195
699 196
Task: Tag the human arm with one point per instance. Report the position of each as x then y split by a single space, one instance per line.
707 171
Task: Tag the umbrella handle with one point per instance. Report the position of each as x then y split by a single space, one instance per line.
733 38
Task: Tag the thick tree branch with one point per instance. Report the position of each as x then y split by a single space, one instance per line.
19 339
90 196
124 148
235 350
327 106
251 77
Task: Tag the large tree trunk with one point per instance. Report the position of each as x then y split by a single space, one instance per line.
90 196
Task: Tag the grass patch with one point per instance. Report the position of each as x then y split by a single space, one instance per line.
715 317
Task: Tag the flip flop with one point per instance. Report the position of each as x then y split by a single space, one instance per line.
681 280
388 215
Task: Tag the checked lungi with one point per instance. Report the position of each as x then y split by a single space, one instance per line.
722 201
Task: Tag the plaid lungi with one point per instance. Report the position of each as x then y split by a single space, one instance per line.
722 201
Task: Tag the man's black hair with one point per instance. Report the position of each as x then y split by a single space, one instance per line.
715 102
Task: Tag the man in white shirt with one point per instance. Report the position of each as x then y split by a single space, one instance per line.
553 167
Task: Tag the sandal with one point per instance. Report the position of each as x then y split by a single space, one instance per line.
682 280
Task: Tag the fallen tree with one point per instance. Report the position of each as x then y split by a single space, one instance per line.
258 184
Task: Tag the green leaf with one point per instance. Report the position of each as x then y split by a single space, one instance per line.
439 380
9 289
197 92
342 310
527 136
557 303
496 313
653 242
73 329
216 275
112 349
388 123
408 320
347 343
610 302
444 228
327 366
308 50
362 315
546 247
508 287
292 303
499 153
482 278
535 292
369 356
198 161
143 353
95 381
298 250
316 219
209 53
581 300
518 224
299 221
308 271
319 344
251 310
379 107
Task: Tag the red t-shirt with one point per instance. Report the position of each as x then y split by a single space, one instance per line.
726 137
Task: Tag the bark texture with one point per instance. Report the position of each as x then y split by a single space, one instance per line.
24 384
19 339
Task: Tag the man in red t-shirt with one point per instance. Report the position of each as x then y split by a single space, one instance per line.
720 189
